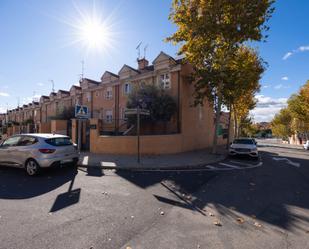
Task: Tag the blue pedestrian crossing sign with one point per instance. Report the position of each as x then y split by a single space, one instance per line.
81 112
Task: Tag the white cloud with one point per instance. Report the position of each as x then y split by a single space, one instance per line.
40 84
3 94
266 86
267 107
298 50
287 55
28 100
285 78
278 86
2 110
303 48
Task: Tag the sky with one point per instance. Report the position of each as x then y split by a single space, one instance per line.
46 41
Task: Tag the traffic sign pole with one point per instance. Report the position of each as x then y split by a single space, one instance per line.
138 136
79 139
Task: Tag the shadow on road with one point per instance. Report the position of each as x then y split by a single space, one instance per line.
266 193
15 184
68 198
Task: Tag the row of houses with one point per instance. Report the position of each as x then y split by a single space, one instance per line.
107 99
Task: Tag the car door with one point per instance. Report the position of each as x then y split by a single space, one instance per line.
7 151
24 149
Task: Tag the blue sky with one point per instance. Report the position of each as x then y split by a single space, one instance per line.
37 38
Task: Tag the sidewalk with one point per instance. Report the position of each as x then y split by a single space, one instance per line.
184 160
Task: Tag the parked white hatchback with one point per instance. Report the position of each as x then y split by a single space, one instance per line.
244 146
35 151
306 145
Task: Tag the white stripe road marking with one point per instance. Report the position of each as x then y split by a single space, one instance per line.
207 168
241 163
288 161
230 165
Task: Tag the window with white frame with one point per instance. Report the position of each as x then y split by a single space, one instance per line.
88 96
164 81
127 88
109 116
109 93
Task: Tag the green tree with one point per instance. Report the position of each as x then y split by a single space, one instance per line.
281 124
161 105
245 70
210 33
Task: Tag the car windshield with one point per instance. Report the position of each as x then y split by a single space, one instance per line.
243 141
59 141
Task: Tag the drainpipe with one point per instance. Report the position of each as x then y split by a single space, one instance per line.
178 102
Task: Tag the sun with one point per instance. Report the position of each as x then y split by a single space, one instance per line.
92 30
94 34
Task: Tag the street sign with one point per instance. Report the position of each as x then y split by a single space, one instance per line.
135 112
81 112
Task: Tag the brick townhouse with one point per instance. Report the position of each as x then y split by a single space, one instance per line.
107 98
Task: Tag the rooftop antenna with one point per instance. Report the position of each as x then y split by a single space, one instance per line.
145 49
83 69
53 85
138 48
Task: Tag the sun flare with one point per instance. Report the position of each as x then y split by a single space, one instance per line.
92 30
94 34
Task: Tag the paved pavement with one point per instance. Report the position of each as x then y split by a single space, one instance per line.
173 161
266 206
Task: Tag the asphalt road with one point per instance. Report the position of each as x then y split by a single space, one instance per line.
238 203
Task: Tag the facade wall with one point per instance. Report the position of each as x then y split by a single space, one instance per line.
194 125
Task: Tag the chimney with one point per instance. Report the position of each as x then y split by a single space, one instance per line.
142 63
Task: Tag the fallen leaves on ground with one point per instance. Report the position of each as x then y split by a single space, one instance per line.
240 220
217 223
257 224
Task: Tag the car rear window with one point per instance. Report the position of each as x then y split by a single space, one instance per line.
59 141
243 141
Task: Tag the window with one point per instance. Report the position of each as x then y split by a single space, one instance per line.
109 116
12 141
26 141
59 141
127 88
164 81
123 113
88 96
97 93
109 93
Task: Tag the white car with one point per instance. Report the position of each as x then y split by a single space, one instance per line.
35 151
244 146
306 145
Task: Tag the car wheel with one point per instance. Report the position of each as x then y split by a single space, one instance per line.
32 167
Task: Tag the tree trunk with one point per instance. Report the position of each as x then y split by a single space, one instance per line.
229 128
217 122
235 124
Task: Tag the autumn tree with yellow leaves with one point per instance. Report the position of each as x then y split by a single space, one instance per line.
294 119
211 34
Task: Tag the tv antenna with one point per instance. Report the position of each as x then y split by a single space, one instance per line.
138 48
53 85
145 49
83 69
